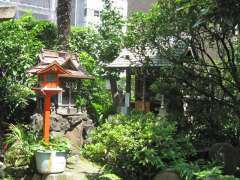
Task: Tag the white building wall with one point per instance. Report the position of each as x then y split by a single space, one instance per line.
84 12
92 10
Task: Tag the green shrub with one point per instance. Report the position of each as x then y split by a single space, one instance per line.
20 149
200 170
136 145
23 143
21 40
214 172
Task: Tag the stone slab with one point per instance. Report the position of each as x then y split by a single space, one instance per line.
60 176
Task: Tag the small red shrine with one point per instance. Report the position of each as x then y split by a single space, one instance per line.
54 69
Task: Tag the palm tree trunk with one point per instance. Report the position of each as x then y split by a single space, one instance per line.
63 22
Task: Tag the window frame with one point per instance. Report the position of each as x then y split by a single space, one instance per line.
51 77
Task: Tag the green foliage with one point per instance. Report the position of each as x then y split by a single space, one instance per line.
137 145
110 32
8 178
109 177
59 144
88 62
96 98
93 93
84 39
21 40
200 170
206 78
20 149
185 169
214 172
23 143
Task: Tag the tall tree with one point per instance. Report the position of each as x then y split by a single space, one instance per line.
111 35
210 77
63 22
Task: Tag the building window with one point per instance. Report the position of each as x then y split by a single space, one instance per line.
40 78
51 77
96 13
85 12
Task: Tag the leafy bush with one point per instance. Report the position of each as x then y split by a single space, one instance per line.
200 170
214 172
21 41
93 93
23 143
20 146
136 145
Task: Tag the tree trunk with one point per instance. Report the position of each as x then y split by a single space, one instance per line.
114 91
63 22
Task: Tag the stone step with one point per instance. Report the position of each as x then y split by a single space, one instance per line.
60 176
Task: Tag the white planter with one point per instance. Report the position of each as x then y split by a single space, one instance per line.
50 162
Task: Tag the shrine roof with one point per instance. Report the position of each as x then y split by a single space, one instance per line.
53 67
130 59
75 74
69 62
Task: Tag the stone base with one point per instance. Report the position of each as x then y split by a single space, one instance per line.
60 176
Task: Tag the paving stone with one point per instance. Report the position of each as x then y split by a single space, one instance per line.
60 176
77 169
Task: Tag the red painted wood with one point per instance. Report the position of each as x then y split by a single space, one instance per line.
46 118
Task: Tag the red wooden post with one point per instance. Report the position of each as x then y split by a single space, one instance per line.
46 118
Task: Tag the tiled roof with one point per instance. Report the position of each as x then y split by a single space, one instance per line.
48 57
128 59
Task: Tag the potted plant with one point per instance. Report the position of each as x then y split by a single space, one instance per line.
51 158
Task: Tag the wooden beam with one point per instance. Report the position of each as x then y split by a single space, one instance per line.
46 118
128 81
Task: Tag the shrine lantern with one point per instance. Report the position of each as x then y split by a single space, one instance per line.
58 73
48 85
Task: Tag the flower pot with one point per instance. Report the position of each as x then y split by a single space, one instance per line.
50 162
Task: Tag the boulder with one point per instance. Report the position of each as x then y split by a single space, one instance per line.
37 121
61 123
226 155
74 127
76 137
2 169
167 175
17 172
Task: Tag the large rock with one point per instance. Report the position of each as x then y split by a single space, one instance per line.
2 169
17 172
226 155
61 123
76 137
167 175
37 121
74 127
